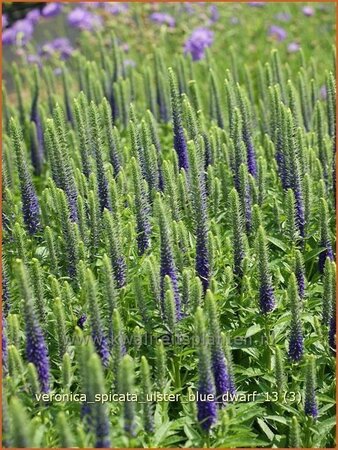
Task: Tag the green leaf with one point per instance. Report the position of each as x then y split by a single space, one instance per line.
254 329
266 430
277 243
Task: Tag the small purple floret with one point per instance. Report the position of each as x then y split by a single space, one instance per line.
199 40
163 19
277 33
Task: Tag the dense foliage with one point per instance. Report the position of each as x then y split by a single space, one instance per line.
168 227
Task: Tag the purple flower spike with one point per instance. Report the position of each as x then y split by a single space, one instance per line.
267 301
34 16
199 40
207 410
51 9
308 11
163 19
293 47
277 33
83 19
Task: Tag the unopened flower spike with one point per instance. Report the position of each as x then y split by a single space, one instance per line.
244 107
168 266
36 348
290 221
66 95
150 158
99 414
114 248
169 304
190 121
280 370
245 196
294 434
300 273
142 209
198 197
325 240
69 237
239 151
180 144
21 432
126 385
119 346
82 132
36 156
294 173
58 147
30 204
328 289
108 291
38 286
170 190
237 233
97 152
66 437
215 107
35 114
146 389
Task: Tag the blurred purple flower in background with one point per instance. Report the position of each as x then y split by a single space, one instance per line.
51 9
257 4
91 5
277 33
7 37
115 8
308 11
129 63
163 18
60 46
293 47
83 19
20 33
34 59
34 16
214 13
57 71
198 41
283 17
125 47
323 92
4 21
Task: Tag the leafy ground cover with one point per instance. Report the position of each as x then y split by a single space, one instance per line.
168 267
